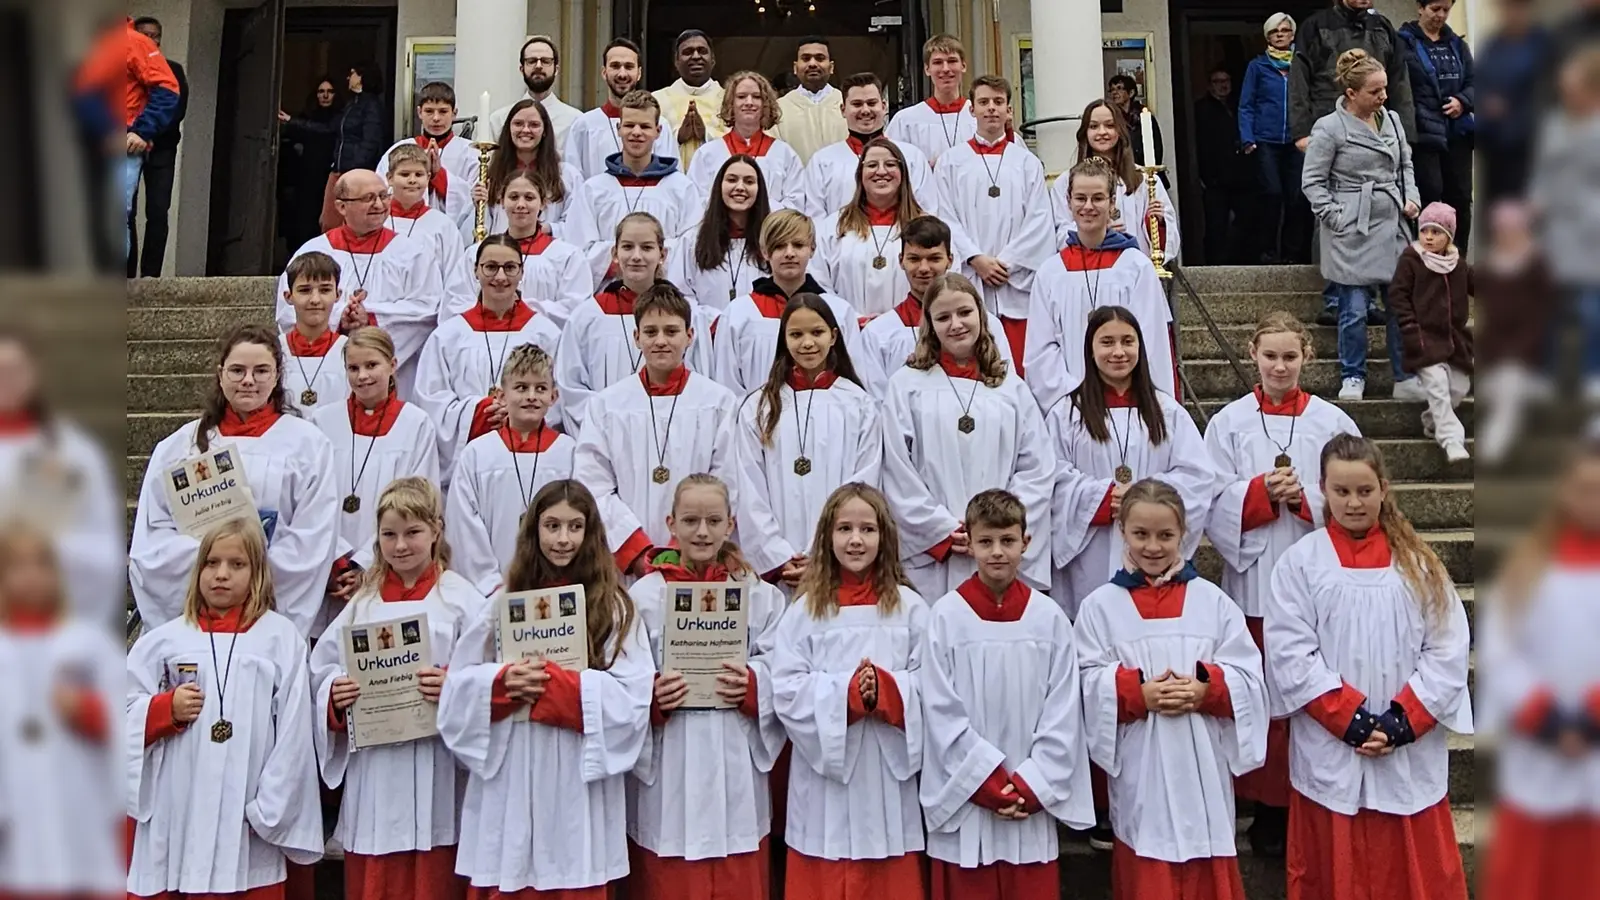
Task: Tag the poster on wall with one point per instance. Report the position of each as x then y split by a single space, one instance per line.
1130 54
428 59
1024 79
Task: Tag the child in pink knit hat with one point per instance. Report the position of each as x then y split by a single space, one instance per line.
1429 299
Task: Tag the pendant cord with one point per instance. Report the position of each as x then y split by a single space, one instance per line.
1122 441
1293 421
355 477
301 366
661 447
966 407
226 674
804 430
533 478
495 367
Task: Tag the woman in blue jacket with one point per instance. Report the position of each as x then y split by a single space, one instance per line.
1440 65
1264 134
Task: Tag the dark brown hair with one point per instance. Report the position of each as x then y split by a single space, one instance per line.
1089 398
215 405
1121 160
546 171
712 242
769 408
313 265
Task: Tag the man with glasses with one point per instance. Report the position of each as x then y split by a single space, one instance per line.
385 278
541 63
1225 178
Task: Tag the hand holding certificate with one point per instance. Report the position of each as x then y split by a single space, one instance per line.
550 624
706 640
389 680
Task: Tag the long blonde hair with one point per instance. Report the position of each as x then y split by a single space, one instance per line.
992 367
823 577
412 497
729 557
853 218
262 595
1424 573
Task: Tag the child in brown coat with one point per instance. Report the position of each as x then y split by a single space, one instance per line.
1429 299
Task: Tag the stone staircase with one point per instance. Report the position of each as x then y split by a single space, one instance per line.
172 324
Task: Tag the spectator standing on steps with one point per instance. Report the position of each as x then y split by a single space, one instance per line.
1224 174
358 138
1441 70
1430 299
160 166
1265 137
1510 74
1123 91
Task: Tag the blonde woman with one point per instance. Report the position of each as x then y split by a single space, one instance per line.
750 111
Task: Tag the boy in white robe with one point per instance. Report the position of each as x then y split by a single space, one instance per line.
555 273
410 214
596 135
1005 756
642 434
1175 707
386 279
830 174
452 162
313 353
945 120
498 474
993 187
1098 268
751 112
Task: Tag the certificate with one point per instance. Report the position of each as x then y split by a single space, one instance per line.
383 658
207 488
550 624
706 626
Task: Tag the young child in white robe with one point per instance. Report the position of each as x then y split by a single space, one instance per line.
597 348
222 777
64 774
1175 707
555 273
288 463
1368 647
751 110
744 334
1259 444
809 429
1103 134
699 810
719 258
522 147
828 182
547 748
312 350
993 187
498 474
1005 757
458 375
958 421
452 162
1098 268
411 215
846 676
398 818
643 433
1114 429
945 119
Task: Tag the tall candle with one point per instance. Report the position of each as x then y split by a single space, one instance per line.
485 110
1147 131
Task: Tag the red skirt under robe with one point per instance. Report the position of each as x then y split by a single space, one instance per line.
1135 878
1373 855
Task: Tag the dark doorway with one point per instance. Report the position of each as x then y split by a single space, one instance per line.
21 237
246 151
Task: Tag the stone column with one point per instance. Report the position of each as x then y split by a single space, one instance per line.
489 35
1067 72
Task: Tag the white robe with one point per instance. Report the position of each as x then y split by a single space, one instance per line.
1058 314
886 342
852 788
1128 212
594 136
291 473
811 121
457 156
489 492
1086 556
932 132
554 214
1171 777
620 446
931 470
780 167
460 365
1240 450
221 818
715 288
397 797
545 806
746 341
1326 624
324 374
366 466
700 789
830 180
597 350
562 115
553 282
1016 227
61 810
845 266
440 232
1001 694
600 204
777 510
404 293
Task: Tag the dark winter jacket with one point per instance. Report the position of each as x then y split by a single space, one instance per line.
1516 309
1216 145
1324 35
1431 311
358 139
1264 104
1439 70
1510 73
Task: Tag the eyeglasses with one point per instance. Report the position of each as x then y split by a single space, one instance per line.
369 199
236 374
546 61
493 269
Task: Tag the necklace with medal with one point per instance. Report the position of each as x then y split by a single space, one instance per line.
527 493
802 463
966 423
352 502
880 261
1093 289
495 368
1282 460
661 474
222 730
950 133
409 231
734 268
360 273
1124 472
308 397
994 176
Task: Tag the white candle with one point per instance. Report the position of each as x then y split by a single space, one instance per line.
1147 131
485 109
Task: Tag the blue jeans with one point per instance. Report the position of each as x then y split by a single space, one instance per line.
131 167
1353 300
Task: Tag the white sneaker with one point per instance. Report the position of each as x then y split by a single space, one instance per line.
1456 451
1353 389
1428 428
1410 390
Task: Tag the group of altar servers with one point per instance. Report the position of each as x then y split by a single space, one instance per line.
966 542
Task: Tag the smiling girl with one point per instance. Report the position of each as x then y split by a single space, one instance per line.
1104 133
555 275
751 111
720 260
523 148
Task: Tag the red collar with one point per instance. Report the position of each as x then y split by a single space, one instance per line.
1160 601
538 440
910 311
395 591
18 423
1007 607
855 590
735 231
31 621
478 318
227 622
945 109
347 241
877 216
612 110
252 425
675 572
537 243
769 305
860 146
618 302
757 146
299 346
1078 258
1370 552
426 140
638 181
958 370
375 423
1115 400
674 386
1577 548
1294 403
982 149
399 212
800 382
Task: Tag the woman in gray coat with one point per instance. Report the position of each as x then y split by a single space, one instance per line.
1359 183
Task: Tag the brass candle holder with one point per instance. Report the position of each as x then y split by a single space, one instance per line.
480 209
1158 254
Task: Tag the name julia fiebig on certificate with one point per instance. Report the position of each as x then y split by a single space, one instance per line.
383 658
706 625
207 488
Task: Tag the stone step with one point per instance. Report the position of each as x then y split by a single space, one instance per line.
1198 342
197 322
1378 417
190 292
1215 379
1455 549
1282 279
